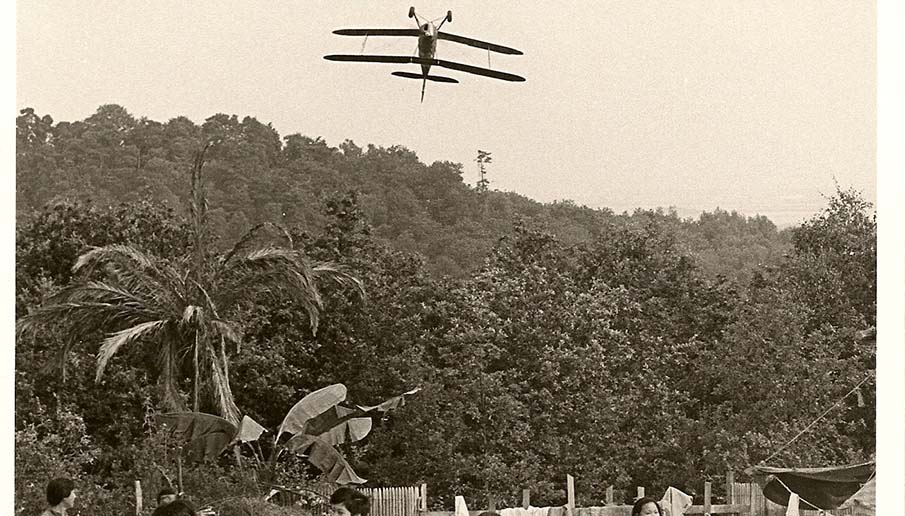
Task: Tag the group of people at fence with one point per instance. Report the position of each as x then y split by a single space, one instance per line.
61 496
345 501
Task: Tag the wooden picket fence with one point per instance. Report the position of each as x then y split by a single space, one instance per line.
385 501
744 499
394 501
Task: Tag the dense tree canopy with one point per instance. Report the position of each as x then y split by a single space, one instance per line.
547 339
256 176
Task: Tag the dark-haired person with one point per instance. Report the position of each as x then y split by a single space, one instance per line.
60 497
346 501
175 508
646 506
165 496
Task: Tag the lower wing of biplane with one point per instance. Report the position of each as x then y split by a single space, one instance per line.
486 72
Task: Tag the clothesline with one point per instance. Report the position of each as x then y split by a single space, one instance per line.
821 416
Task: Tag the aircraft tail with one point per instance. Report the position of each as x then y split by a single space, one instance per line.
435 78
424 78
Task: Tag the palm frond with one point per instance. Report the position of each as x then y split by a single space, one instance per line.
228 332
277 284
102 292
340 276
102 255
169 372
134 271
222 393
84 318
263 254
192 316
249 236
111 344
210 302
96 290
272 273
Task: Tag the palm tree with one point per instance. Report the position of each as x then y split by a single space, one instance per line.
184 306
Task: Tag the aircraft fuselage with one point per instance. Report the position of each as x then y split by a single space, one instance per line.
427 44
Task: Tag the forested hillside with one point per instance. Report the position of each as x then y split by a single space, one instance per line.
623 349
256 176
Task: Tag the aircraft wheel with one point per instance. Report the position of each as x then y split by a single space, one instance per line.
412 11
449 16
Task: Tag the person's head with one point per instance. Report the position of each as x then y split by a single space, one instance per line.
61 491
166 495
646 506
175 508
346 501
489 513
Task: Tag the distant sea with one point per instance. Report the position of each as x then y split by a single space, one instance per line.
784 208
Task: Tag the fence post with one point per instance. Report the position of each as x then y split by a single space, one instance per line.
526 498
491 502
570 493
706 498
138 499
609 495
730 487
424 497
640 493
751 507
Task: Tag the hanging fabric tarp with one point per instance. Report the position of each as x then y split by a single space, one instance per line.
864 502
817 488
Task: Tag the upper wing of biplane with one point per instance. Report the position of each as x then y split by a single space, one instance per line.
377 32
480 44
442 35
433 62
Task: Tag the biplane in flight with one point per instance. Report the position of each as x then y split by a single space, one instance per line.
427 34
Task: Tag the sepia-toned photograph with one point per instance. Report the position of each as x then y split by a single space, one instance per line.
460 258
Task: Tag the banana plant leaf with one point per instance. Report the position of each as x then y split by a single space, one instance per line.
350 425
249 430
326 458
339 425
203 436
311 406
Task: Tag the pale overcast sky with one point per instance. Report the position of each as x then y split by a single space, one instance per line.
748 105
